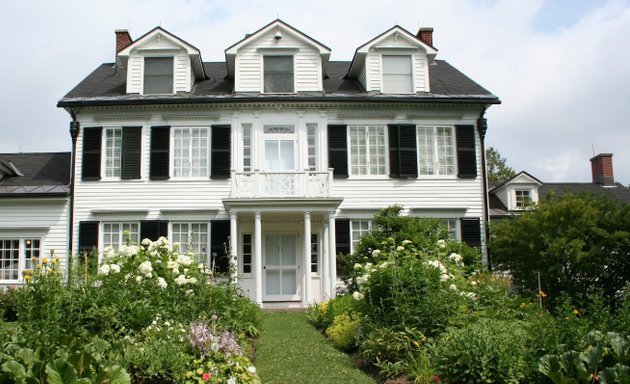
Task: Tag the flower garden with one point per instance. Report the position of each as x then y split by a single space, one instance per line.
149 315
423 311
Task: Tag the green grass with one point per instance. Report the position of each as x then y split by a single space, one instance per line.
292 351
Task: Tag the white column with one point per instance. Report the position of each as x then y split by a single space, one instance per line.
234 246
258 257
324 267
332 254
306 296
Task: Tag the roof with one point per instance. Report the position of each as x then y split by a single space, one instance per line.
44 174
617 192
106 85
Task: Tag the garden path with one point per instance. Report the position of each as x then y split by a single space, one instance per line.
290 350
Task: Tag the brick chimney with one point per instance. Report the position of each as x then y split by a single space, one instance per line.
425 34
123 40
602 168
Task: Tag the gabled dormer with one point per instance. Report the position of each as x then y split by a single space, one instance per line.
518 193
160 63
395 62
277 59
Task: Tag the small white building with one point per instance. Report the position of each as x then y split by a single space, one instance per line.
276 159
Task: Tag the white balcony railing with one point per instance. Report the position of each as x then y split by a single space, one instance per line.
305 184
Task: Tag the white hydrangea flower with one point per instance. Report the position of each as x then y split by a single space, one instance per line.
357 267
189 292
192 280
146 242
184 260
376 252
181 280
97 283
114 268
104 269
145 268
441 243
362 280
455 258
400 248
251 369
109 252
473 283
452 287
405 242
138 279
445 277
358 296
162 283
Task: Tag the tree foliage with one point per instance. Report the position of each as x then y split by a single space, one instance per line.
580 244
498 170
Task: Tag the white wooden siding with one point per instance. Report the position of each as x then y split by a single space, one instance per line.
249 67
362 77
182 73
373 72
135 70
420 73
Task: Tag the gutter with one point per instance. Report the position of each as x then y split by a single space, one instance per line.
75 128
482 127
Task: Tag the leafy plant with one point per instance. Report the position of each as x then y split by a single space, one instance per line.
344 330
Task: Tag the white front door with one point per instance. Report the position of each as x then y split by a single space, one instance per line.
281 268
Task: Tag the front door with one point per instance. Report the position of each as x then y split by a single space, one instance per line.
281 268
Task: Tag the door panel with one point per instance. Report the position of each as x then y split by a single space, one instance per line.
281 268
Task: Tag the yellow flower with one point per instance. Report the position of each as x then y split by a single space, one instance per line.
542 294
566 317
27 277
34 259
522 306
575 311
45 260
39 266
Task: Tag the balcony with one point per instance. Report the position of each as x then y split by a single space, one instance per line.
291 184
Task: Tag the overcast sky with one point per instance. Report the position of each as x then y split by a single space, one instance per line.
560 67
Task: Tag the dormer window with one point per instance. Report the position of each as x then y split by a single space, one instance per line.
278 74
158 75
523 198
397 76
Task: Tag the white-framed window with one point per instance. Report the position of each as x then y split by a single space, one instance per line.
158 75
248 247
397 74
522 198
452 226
311 141
367 150
113 152
247 147
436 151
359 229
278 74
193 237
16 256
314 253
117 234
191 151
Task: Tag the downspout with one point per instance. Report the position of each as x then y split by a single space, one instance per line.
482 127
75 128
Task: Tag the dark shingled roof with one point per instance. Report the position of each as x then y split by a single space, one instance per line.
617 192
107 86
45 174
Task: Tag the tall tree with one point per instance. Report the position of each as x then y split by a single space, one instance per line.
498 170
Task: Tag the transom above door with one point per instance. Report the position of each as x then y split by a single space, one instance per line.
281 268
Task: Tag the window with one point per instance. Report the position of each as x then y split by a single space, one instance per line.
451 227
397 74
311 138
16 256
436 151
247 253
367 150
247 147
278 76
193 237
359 229
117 234
113 152
158 75
314 253
190 152
523 198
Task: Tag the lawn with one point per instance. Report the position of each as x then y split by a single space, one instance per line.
292 351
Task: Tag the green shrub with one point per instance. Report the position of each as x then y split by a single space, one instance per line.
344 329
8 304
317 314
487 351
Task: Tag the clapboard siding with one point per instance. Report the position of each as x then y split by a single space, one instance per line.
248 70
39 218
373 71
182 73
420 73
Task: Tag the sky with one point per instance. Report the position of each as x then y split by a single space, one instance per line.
560 67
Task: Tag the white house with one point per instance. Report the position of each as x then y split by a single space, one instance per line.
276 159
33 211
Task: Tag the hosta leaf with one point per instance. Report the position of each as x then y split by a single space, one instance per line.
61 372
15 369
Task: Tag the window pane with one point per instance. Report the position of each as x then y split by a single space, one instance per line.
436 151
247 147
247 253
359 229
311 136
278 73
9 259
190 152
113 152
314 254
158 75
193 237
367 150
397 74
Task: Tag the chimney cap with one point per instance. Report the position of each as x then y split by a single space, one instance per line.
425 29
601 155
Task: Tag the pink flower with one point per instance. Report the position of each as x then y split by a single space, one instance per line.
206 376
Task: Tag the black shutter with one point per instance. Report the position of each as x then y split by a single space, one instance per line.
153 229
220 158
471 231
88 235
219 244
338 150
466 151
403 152
91 161
160 147
342 235
131 152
